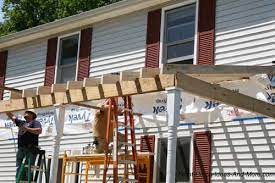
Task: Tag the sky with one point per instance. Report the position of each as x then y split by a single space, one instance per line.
1 14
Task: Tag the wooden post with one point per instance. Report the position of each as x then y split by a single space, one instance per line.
173 111
64 167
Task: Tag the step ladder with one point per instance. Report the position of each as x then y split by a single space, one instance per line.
129 161
34 172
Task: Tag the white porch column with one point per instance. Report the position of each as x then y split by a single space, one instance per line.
173 112
59 118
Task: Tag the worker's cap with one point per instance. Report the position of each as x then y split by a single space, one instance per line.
32 113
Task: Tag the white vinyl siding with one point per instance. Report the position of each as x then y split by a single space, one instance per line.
26 66
236 147
245 32
8 150
119 44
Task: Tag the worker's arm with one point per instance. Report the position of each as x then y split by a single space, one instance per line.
15 120
35 131
11 116
35 128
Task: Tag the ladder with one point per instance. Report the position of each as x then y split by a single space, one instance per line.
127 159
34 172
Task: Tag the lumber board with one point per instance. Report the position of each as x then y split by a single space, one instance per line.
61 94
110 90
74 85
75 95
129 75
44 90
214 92
217 70
149 72
218 79
91 82
59 88
87 106
45 100
12 105
15 95
94 92
31 92
110 78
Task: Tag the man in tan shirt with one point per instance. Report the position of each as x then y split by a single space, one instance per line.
100 129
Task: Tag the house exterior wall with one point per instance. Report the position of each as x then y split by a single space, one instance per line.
244 36
244 32
237 146
119 44
26 66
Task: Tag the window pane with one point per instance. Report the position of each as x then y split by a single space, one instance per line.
180 50
181 15
67 74
180 32
68 48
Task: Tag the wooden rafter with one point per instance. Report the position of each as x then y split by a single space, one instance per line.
218 73
214 92
75 92
218 70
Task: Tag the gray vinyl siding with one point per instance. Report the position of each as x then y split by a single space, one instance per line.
245 32
119 44
26 66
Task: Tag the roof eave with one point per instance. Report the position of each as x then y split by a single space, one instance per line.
77 21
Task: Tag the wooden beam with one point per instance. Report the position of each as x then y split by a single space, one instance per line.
129 76
44 90
74 85
15 95
110 78
31 92
218 79
59 88
232 98
217 70
87 106
61 95
91 82
149 72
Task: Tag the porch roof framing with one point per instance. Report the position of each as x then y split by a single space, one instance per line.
195 79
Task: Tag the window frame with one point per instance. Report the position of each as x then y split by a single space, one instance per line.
163 46
157 156
58 54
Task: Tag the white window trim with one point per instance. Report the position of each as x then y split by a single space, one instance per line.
163 10
57 54
156 157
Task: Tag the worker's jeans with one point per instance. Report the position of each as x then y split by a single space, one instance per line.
21 153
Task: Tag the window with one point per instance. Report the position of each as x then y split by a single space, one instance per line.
67 58
179 31
183 160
